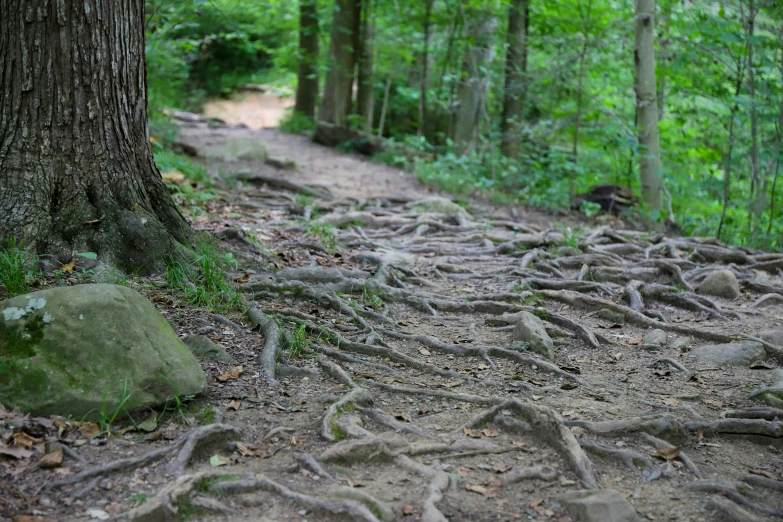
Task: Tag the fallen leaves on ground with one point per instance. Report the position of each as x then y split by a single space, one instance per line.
231 374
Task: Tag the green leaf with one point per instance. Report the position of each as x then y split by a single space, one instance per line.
88 255
216 461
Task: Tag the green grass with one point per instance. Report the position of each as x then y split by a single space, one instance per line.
17 268
194 171
371 299
296 123
203 280
324 233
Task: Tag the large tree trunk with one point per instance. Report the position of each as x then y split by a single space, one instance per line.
515 83
650 173
336 102
307 75
473 89
364 90
76 171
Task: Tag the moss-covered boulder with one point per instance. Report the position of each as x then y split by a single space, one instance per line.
84 349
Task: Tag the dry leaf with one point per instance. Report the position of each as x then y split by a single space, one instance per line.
476 434
88 430
407 509
250 450
475 488
23 440
668 453
355 484
152 437
402 416
536 503
233 405
68 268
671 402
715 405
501 467
424 351
244 279
491 431
762 472
231 374
51 460
452 384
15 452
463 472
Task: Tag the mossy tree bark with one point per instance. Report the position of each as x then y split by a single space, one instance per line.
650 174
76 170
307 75
473 89
338 91
364 90
515 81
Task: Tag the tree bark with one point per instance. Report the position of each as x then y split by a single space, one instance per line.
473 89
425 59
364 92
307 75
650 173
76 170
338 91
515 82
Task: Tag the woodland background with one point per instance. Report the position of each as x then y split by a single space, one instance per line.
719 68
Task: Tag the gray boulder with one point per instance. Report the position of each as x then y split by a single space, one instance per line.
238 149
772 336
84 349
656 337
742 353
598 505
720 283
203 346
437 205
530 329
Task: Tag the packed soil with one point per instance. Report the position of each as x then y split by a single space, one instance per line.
384 374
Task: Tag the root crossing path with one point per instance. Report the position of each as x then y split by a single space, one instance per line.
408 358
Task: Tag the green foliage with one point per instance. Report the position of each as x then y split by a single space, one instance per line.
202 280
17 268
297 123
324 233
192 170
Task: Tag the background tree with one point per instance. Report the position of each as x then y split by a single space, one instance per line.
650 174
307 74
76 171
516 69
338 90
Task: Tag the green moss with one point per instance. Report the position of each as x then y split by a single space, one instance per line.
208 485
338 432
20 342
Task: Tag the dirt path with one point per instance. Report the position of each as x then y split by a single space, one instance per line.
408 359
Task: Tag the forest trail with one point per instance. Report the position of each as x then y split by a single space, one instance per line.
464 364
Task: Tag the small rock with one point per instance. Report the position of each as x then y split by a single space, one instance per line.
202 346
611 316
742 353
720 283
437 205
772 336
600 505
681 343
530 329
656 337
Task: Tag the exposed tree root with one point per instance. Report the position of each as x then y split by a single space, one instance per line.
730 490
439 482
548 425
731 511
271 349
186 445
346 509
681 456
740 427
664 426
541 472
629 457
309 462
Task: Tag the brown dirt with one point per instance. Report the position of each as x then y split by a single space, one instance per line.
435 275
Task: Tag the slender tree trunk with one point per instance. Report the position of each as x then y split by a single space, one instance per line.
473 89
425 59
364 92
338 91
76 171
579 81
515 81
646 106
756 206
307 75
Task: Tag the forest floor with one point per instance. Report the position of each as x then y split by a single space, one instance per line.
400 392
